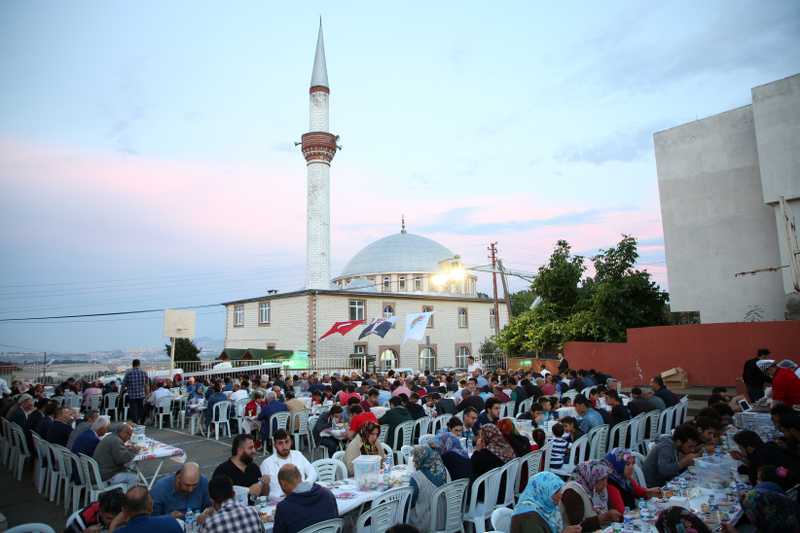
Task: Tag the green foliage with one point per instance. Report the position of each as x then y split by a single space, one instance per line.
521 301
490 354
598 308
185 350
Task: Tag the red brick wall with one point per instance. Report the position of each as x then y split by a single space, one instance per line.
711 354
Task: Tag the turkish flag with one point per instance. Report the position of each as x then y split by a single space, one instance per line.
342 328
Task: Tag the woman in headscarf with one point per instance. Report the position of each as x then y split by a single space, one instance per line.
519 443
537 509
454 456
623 490
768 507
492 450
680 520
364 443
592 476
429 475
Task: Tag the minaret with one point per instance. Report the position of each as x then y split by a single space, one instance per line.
319 147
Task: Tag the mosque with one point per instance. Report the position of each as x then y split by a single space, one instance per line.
397 275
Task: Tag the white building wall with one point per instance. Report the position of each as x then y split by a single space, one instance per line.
287 330
318 226
776 113
715 222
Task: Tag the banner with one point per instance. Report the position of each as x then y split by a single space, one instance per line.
379 327
415 326
342 328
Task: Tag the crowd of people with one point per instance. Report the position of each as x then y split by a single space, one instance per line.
476 439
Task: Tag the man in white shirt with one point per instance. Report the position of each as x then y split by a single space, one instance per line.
285 455
239 393
159 394
473 365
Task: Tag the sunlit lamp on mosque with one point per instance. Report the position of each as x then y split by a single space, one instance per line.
450 271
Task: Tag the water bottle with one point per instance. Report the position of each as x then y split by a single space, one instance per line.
389 463
712 503
188 520
644 512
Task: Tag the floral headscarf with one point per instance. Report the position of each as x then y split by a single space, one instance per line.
617 459
427 461
496 443
447 442
538 497
587 475
363 432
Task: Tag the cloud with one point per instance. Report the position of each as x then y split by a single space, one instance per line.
624 146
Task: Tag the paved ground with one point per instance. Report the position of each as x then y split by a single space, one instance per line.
20 503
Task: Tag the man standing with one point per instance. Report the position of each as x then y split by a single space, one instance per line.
185 490
305 503
112 454
135 515
754 379
227 514
240 468
88 440
284 455
135 383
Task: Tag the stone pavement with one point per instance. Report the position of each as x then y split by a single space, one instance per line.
20 503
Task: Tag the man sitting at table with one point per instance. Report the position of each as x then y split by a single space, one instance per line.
240 467
589 417
113 453
395 416
228 515
87 442
88 420
284 455
619 413
671 455
60 429
186 489
136 515
306 503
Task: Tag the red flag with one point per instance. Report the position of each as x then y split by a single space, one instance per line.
342 328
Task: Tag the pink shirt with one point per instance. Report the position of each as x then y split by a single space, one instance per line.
402 389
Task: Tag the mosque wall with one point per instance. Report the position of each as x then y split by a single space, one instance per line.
287 328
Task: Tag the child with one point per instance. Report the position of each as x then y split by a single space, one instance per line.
559 447
539 438
430 405
547 408
571 431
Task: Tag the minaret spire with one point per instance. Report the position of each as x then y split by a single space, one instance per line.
319 75
402 223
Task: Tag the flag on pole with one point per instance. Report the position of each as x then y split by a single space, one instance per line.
342 328
415 325
379 327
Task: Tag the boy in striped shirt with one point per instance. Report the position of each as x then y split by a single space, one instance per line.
559 447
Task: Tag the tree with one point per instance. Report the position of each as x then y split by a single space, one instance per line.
598 308
490 354
521 301
185 350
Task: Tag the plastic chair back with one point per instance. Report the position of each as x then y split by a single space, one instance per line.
501 519
333 525
402 495
403 434
31 528
330 470
384 433
220 411
449 497
378 519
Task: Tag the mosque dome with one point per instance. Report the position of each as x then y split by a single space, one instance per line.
401 252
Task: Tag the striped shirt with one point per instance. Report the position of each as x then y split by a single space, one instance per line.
558 450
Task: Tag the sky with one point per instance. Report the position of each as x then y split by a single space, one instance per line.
147 154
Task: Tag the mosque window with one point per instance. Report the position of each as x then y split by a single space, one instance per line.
463 322
418 283
462 352
388 310
427 358
264 312
491 317
357 309
401 283
387 283
238 315
428 309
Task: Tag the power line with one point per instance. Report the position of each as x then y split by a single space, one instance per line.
115 313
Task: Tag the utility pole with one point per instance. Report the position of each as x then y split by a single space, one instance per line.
493 257
505 287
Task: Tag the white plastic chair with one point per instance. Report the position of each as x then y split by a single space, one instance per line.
449 497
41 476
300 429
618 435
378 519
278 421
220 418
31 528
421 427
507 409
384 433
651 419
339 456
403 435
63 476
401 495
439 423
636 432
577 454
501 519
164 409
405 455
110 404
239 409
79 489
6 441
598 441
125 406
94 482
639 475
95 400
329 470
533 463
509 472
478 512
334 525
20 452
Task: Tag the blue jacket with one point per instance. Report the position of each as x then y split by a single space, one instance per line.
86 443
302 509
150 524
166 499
591 419
275 406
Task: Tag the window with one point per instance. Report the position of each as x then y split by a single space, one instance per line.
462 318
238 315
387 283
428 309
401 283
270 346
388 310
358 309
263 312
359 349
418 283
388 359
491 317
427 358
462 352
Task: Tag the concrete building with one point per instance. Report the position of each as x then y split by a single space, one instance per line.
398 275
729 187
